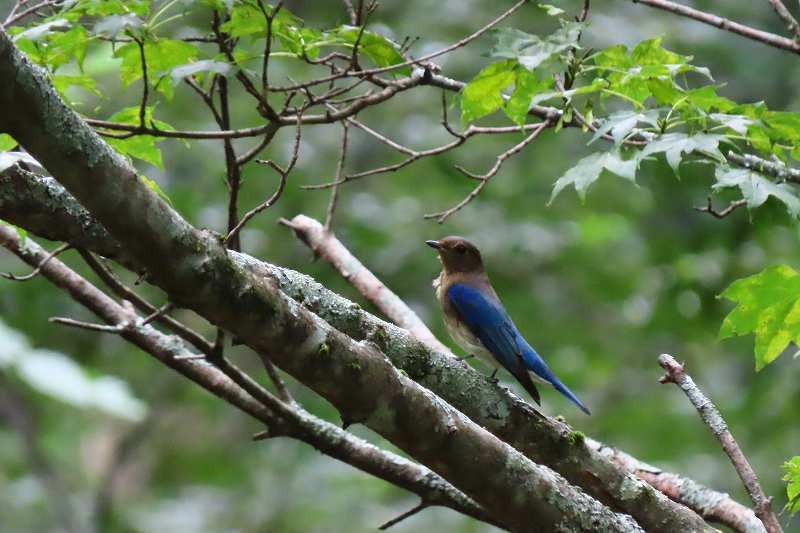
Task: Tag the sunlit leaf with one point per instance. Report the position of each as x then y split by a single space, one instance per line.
792 479
483 94
375 46
7 142
768 304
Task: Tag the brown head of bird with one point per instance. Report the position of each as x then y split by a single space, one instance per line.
457 254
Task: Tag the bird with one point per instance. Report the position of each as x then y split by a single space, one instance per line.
478 322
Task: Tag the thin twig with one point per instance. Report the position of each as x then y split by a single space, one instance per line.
164 309
35 272
709 208
119 288
116 328
484 178
274 376
14 17
411 512
447 49
337 179
283 174
676 374
145 83
776 41
787 17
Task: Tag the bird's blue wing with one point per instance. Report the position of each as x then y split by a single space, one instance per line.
487 320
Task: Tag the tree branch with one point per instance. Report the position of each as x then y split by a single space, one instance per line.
325 244
787 17
197 272
713 419
712 505
544 440
776 41
291 420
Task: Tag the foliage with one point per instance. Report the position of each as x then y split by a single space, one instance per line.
792 479
768 304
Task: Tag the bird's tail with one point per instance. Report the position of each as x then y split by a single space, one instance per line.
560 387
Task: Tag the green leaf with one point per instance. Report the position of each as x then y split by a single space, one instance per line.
62 82
756 188
153 186
162 56
588 169
792 479
768 304
531 51
7 142
621 123
676 145
139 146
526 86
483 94
378 48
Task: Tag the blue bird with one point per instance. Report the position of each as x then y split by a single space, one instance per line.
477 321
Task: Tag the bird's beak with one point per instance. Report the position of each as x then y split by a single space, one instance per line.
434 244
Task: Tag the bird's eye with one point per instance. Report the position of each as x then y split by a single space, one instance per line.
460 248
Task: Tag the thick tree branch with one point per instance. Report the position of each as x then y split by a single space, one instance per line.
544 440
713 419
285 419
325 244
197 272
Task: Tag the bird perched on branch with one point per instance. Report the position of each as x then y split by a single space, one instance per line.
477 321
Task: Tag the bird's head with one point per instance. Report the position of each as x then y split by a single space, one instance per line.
457 254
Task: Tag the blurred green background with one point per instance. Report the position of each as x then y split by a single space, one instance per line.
599 288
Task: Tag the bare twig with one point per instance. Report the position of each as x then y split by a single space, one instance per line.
676 374
787 17
484 178
411 512
145 83
351 12
283 174
337 179
115 328
14 17
776 41
709 208
324 244
119 288
38 269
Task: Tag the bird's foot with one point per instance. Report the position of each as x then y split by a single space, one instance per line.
493 377
464 358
